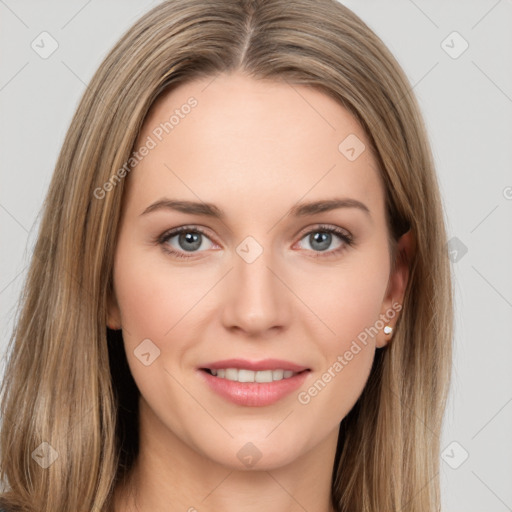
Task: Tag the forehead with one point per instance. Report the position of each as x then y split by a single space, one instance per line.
261 142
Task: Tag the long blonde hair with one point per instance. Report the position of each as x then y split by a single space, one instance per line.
67 382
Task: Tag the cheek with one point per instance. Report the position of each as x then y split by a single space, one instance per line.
358 304
349 305
153 303
347 300
139 301
151 297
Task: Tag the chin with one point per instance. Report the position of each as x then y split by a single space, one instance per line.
260 454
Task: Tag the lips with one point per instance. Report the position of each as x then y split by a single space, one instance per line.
253 383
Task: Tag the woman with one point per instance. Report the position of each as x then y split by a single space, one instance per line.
239 297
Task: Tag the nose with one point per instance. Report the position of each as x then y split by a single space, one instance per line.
257 302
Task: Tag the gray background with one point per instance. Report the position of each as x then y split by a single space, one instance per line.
466 99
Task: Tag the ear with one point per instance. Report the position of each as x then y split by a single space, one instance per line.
397 284
113 312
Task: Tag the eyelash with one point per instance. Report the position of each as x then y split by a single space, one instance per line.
346 238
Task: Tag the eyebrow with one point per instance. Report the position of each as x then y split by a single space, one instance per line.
211 210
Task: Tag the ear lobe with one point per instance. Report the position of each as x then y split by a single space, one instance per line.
113 313
405 250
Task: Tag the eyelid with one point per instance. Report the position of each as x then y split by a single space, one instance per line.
325 227
346 238
164 238
169 233
344 235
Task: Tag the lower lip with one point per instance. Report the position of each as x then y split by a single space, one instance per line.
254 394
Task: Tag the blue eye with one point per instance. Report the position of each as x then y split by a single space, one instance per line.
321 238
190 239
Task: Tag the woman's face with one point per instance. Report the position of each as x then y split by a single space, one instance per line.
257 276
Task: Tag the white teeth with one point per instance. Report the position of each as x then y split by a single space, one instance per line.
242 375
277 374
230 373
263 376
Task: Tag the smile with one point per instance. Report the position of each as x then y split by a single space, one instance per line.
244 375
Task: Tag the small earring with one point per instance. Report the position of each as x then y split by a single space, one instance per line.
388 329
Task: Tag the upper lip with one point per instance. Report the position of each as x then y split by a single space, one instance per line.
264 364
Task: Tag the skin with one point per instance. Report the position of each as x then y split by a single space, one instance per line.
253 148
